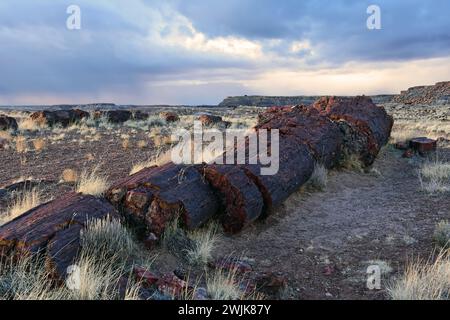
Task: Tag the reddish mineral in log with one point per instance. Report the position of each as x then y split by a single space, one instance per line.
306 126
240 196
117 192
423 145
157 195
363 123
54 229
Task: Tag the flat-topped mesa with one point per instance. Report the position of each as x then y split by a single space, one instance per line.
425 95
155 196
53 229
366 127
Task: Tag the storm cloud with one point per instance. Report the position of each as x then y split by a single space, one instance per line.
198 51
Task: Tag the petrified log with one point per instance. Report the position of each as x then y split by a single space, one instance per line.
59 117
118 116
366 126
296 165
140 115
304 125
240 196
53 229
8 123
156 195
169 116
423 145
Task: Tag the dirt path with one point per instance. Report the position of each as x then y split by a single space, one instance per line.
323 242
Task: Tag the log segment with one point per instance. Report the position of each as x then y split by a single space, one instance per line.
366 126
155 196
53 229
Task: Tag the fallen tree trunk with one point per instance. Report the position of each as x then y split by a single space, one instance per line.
240 197
304 125
296 165
53 229
155 196
366 127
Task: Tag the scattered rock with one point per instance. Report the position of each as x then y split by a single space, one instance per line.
409 153
8 123
144 276
231 265
118 116
269 283
170 284
3 144
401 145
209 120
140 115
169 116
328 270
63 118
151 241
423 145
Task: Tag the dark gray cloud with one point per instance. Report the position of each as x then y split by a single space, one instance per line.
131 46
410 28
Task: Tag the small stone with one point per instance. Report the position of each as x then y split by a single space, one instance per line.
170 284
423 145
146 277
408 153
231 264
151 241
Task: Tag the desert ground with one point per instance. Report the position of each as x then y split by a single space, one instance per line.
317 245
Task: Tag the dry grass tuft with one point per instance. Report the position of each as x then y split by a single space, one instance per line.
441 235
39 144
25 201
435 176
21 144
6 135
26 278
69 176
352 162
319 178
424 281
108 237
89 157
142 144
160 141
29 124
222 285
160 160
126 144
92 183
205 241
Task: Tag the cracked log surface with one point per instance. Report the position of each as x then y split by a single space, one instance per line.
367 126
53 229
154 196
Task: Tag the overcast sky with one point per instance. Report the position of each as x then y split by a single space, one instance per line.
200 51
